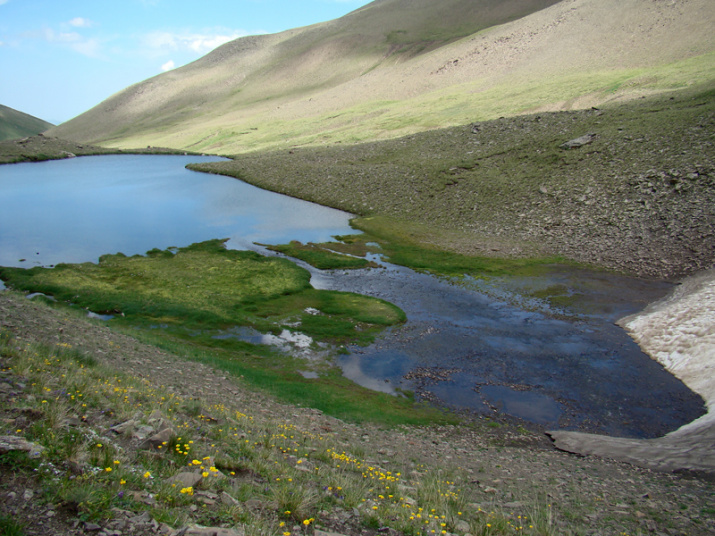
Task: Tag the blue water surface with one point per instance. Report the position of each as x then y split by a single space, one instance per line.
77 209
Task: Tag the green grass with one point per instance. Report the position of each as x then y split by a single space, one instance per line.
10 527
15 124
206 286
407 244
198 292
321 257
455 105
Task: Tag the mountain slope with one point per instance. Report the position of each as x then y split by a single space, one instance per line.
15 124
400 66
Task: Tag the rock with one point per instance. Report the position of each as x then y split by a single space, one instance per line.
462 526
208 531
124 427
158 440
12 443
578 142
318 532
228 500
143 431
185 480
91 527
254 504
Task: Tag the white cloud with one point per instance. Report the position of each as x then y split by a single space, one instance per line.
82 45
200 43
81 22
3 2
168 66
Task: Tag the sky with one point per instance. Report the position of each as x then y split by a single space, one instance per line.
59 58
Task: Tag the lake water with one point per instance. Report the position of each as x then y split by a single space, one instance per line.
469 345
77 209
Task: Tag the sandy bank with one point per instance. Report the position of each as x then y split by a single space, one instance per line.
679 332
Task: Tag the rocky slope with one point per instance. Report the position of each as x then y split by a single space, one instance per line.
629 187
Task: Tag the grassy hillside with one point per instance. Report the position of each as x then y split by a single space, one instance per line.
396 67
119 440
14 124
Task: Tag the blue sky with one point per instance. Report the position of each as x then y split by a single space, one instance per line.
59 58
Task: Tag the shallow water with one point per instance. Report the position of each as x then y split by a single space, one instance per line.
565 367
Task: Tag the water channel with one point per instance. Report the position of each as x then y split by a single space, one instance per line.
467 344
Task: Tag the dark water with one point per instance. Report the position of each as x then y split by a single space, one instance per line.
78 209
557 367
473 345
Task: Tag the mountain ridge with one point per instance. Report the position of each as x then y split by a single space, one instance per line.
387 69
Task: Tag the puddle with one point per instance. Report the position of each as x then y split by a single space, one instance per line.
293 343
98 316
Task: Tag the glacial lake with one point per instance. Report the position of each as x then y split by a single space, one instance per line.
78 209
467 344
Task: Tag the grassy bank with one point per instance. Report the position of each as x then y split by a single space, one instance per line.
296 475
40 148
194 301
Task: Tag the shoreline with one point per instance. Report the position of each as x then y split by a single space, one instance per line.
678 332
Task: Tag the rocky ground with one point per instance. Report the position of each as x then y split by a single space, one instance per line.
506 469
629 187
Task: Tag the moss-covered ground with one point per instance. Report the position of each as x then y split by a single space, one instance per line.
189 300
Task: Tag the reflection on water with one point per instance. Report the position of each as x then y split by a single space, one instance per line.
562 366
78 209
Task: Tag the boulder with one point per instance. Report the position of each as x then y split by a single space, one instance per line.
578 142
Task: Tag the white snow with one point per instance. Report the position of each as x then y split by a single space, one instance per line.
679 332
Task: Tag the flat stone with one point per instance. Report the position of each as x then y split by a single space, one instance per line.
228 500
143 431
11 443
185 480
123 427
578 142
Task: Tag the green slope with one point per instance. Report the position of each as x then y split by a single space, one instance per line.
250 72
396 67
14 124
